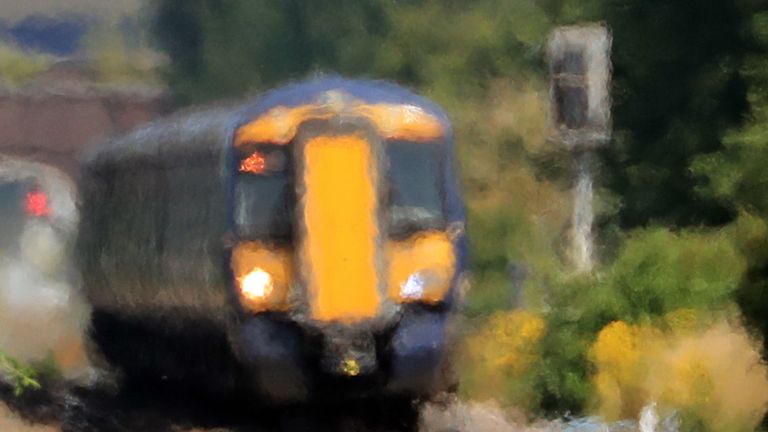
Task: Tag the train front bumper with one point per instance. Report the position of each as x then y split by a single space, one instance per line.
289 363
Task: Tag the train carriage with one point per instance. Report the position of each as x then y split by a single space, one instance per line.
313 238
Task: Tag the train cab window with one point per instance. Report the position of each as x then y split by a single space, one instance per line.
264 193
415 187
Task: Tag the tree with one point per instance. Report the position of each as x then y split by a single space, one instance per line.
223 48
677 90
738 178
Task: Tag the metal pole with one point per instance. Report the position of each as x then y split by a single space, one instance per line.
518 272
583 214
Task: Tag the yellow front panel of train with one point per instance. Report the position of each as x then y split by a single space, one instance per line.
340 244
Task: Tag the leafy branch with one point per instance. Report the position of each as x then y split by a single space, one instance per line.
23 377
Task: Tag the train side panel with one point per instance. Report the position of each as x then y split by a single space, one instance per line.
153 222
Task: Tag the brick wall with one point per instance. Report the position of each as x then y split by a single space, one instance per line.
53 119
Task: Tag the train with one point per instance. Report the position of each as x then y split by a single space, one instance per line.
308 240
38 281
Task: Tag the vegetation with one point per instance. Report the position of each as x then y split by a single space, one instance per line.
736 178
23 377
706 373
657 325
17 67
115 54
119 56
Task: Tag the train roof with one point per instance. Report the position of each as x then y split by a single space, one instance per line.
175 132
369 91
201 125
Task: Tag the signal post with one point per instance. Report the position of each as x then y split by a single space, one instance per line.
580 71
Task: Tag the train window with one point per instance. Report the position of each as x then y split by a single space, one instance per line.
415 187
12 202
264 194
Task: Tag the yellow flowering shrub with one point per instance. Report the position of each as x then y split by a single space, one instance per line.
683 320
514 337
712 376
498 356
618 352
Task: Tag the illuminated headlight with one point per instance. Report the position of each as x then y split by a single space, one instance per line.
263 275
422 285
421 268
413 288
256 285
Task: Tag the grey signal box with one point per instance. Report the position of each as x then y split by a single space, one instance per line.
580 74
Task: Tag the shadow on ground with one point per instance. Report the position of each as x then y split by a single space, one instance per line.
175 409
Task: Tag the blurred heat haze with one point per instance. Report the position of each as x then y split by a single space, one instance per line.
680 212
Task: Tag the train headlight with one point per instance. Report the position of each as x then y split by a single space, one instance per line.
421 267
262 276
256 285
424 285
413 288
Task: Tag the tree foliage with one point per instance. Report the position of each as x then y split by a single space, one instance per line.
677 90
737 174
220 48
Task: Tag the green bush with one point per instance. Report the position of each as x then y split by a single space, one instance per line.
656 273
659 271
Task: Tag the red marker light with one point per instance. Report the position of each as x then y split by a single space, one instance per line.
254 164
36 204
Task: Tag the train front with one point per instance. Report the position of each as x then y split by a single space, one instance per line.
348 246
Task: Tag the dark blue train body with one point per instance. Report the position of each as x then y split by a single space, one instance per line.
312 240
